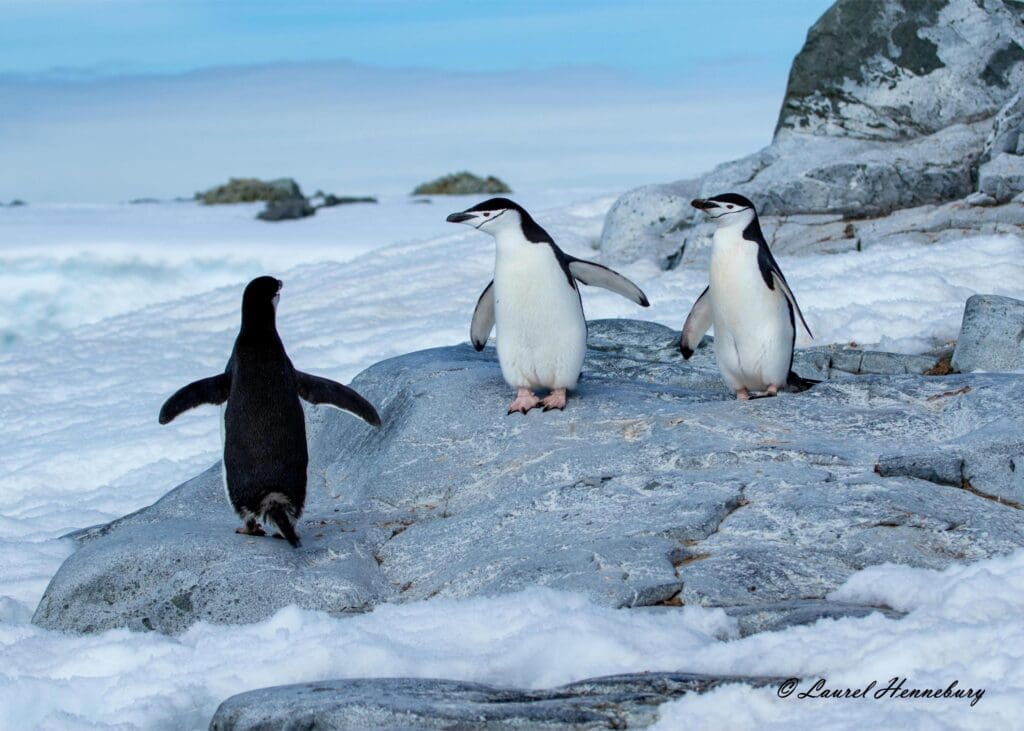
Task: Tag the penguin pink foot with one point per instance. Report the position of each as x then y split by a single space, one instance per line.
525 400
554 400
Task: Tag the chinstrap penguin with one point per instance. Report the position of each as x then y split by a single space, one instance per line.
534 303
748 301
264 430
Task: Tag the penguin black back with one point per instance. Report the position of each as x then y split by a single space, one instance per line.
265 453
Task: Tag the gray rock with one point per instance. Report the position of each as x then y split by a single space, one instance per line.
285 210
250 190
771 617
877 69
464 183
863 135
991 335
1002 178
1007 133
653 487
329 200
621 701
980 199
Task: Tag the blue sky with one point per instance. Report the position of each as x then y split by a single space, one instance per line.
661 40
107 101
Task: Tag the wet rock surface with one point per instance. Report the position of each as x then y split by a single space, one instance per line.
653 487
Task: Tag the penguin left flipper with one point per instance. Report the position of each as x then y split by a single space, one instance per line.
597 275
212 390
317 390
483 318
697 323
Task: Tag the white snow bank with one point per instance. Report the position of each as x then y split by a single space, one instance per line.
964 625
534 638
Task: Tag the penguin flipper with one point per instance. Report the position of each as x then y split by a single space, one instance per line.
596 275
483 318
697 323
212 390
773 277
317 390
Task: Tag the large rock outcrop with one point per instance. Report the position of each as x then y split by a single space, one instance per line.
653 487
891 105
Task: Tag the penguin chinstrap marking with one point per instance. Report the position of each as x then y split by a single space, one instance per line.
749 302
265 453
534 304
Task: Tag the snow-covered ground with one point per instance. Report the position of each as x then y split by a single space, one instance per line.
108 309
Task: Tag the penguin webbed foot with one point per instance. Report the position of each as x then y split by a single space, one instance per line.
525 400
554 400
251 528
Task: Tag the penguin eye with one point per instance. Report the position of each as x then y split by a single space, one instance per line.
487 214
730 206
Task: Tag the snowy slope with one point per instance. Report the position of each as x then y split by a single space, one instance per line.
78 403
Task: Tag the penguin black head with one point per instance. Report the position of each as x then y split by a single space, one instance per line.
499 215
259 302
728 209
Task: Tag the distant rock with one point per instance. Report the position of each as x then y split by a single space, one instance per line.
16 203
463 183
864 134
287 209
144 201
654 487
992 335
329 200
618 701
249 190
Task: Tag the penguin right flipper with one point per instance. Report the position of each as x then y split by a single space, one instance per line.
317 390
697 323
212 390
596 275
483 318
772 275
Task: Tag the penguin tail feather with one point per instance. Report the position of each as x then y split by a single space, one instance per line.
279 512
799 383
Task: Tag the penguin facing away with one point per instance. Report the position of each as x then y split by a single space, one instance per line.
748 301
535 304
264 430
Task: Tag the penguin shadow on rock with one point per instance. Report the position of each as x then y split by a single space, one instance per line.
750 304
534 304
264 428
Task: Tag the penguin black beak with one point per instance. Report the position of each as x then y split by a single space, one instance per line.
702 204
460 217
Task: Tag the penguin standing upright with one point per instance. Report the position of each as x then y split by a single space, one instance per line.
535 304
748 301
265 454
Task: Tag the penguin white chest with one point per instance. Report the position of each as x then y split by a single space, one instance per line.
753 325
540 329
